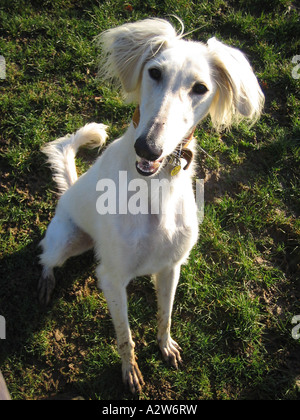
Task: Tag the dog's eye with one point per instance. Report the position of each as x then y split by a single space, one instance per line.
199 89
155 73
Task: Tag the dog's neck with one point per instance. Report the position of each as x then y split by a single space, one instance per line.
183 151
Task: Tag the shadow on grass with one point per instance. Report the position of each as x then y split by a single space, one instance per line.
65 373
26 319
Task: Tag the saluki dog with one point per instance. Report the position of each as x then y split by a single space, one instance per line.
175 83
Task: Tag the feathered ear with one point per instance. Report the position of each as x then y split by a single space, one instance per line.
127 48
239 95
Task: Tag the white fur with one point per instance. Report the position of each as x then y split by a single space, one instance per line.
130 245
61 152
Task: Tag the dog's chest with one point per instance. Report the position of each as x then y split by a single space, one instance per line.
157 243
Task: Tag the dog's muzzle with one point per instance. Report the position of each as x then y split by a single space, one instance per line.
148 153
149 158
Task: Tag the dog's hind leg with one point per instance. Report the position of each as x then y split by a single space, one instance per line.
63 240
165 283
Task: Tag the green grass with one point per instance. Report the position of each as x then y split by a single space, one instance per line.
240 289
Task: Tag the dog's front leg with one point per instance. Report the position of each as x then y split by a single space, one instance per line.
165 283
115 294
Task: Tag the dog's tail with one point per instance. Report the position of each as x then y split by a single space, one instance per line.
61 152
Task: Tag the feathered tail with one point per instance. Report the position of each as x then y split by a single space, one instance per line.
61 152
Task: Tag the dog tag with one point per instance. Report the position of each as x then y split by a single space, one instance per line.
175 170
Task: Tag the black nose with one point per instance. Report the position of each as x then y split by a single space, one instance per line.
147 149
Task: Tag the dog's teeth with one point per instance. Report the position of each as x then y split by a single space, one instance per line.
147 166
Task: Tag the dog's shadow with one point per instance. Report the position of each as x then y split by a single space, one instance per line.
27 321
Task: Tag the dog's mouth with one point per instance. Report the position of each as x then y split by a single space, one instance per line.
148 167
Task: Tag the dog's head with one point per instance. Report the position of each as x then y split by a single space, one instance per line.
177 83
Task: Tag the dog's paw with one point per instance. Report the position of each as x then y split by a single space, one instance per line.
45 288
132 377
170 351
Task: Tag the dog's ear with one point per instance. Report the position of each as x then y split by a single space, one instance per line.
127 48
238 95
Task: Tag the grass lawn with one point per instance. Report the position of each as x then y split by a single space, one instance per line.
240 290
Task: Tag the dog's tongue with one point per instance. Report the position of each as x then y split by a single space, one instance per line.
148 166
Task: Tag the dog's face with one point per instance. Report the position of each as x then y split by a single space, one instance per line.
177 83
177 90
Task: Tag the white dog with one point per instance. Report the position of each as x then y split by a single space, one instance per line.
176 84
